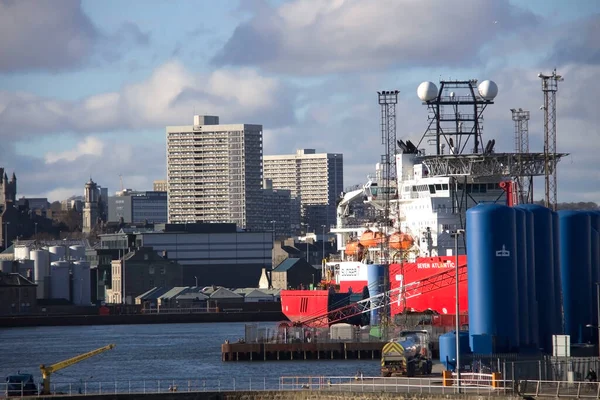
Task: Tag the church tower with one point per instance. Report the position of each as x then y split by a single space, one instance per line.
90 207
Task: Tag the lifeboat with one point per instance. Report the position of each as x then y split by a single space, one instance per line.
401 241
367 239
353 248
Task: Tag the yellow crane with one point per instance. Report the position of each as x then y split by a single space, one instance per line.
49 370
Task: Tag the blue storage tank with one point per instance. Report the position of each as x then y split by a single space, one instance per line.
522 284
531 296
595 224
492 271
448 348
558 301
482 344
576 260
375 280
543 243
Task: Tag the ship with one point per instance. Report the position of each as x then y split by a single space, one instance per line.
417 241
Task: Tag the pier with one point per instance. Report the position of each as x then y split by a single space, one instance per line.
301 351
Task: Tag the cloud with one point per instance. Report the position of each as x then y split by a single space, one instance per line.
169 96
90 146
57 35
316 37
577 43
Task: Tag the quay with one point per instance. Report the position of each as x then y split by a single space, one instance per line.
301 351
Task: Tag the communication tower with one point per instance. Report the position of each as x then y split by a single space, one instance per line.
524 183
549 88
387 101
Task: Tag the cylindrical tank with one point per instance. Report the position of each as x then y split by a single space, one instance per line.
60 282
21 252
544 273
530 254
576 259
559 328
448 348
521 261
57 253
492 271
77 252
41 269
81 283
595 224
375 275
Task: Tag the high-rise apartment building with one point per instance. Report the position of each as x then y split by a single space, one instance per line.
214 173
317 179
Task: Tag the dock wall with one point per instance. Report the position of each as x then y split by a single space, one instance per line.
289 395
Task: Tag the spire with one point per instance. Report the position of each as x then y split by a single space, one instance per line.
14 177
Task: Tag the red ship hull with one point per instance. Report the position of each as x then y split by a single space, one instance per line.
430 285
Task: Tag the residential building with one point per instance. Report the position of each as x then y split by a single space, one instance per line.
17 294
214 173
210 254
315 178
75 202
138 207
139 271
281 210
160 186
294 273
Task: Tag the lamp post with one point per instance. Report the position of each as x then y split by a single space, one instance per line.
196 278
456 234
323 226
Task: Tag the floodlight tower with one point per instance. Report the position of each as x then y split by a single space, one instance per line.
525 183
549 88
387 100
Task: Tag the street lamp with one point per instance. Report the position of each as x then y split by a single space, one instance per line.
323 226
455 235
196 278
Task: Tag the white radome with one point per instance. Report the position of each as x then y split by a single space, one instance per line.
427 91
488 89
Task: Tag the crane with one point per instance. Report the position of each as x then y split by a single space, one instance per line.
429 284
50 369
343 206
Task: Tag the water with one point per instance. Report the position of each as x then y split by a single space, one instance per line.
151 352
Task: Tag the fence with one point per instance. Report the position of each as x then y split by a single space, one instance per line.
579 390
181 310
286 383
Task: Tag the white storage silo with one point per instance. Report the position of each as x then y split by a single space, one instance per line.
60 280
82 291
41 269
21 252
77 252
57 253
26 269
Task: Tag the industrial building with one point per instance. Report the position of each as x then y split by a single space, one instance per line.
214 173
138 207
17 294
317 179
210 254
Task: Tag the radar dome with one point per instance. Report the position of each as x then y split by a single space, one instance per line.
427 91
488 90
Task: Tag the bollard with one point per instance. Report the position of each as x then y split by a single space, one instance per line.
447 378
496 379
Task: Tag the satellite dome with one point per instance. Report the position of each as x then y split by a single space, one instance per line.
488 90
427 91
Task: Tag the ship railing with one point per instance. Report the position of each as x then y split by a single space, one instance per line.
569 389
357 383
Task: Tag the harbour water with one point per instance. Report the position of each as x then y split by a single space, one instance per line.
152 352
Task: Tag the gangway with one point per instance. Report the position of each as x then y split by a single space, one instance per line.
429 284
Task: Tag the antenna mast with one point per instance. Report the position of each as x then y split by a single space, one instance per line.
524 183
549 88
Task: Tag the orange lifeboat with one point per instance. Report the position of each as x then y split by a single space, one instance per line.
353 247
401 241
367 239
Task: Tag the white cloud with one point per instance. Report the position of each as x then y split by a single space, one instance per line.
90 146
168 97
316 37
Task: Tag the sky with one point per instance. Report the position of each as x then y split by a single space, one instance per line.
88 87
